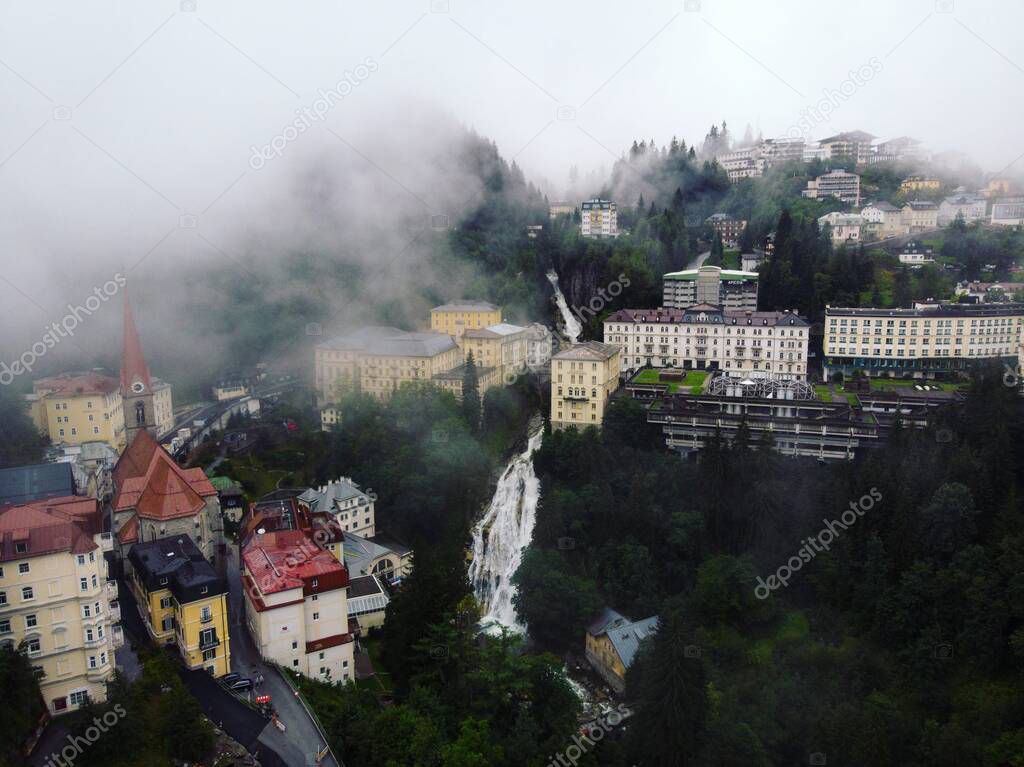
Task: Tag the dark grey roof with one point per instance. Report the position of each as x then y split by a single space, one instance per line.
178 560
364 586
324 497
466 306
588 350
21 484
392 342
457 374
625 635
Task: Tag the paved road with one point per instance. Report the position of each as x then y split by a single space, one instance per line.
300 740
698 262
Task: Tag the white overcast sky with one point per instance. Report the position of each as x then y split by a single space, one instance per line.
119 118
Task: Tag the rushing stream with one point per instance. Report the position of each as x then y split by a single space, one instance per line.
501 536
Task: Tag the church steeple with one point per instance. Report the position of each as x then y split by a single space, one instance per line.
136 386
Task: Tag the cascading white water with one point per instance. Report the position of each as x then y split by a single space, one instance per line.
501 536
572 325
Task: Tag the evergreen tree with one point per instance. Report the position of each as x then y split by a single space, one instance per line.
471 394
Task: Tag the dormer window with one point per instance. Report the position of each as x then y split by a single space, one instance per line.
21 547
163 581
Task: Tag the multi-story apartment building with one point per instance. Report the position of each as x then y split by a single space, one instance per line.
921 343
457 317
296 604
971 207
778 150
453 380
55 597
583 377
706 337
882 219
727 288
377 360
902 148
182 601
1008 211
743 163
350 505
502 346
155 498
853 145
727 227
919 215
845 227
599 218
72 408
920 184
836 183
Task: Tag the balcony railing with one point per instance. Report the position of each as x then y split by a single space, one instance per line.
209 643
106 541
110 589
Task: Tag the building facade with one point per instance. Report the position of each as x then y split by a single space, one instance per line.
919 215
583 377
845 227
55 597
599 218
837 183
882 219
457 317
852 145
73 408
1008 211
182 601
502 346
727 227
296 605
612 642
728 288
377 360
707 337
921 343
920 184
350 505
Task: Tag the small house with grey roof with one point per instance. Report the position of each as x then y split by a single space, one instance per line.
613 642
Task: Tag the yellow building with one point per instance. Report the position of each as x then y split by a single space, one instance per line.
182 601
501 346
920 184
73 408
459 316
612 644
583 377
377 360
55 597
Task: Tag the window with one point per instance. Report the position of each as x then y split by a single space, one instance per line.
295 662
92 557
5 626
26 594
3 597
207 636
23 568
92 661
315 597
86 611
33 646
295 645
20 547
322 655
316 616
81 559
84 583
165 602
210 654
94 582
30 621
103 659
89 635
206 614
78 697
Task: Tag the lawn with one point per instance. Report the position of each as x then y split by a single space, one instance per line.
692 382
824 392
882 383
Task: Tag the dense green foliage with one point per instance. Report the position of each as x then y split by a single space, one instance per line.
24 703
20 442
902 644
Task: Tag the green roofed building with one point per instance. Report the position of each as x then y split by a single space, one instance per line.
728 288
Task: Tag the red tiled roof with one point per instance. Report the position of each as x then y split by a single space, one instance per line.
332 641
129 532
289 559
133 364
46 529
71 384
148 480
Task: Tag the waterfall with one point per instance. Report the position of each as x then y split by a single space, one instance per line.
501 536
572 325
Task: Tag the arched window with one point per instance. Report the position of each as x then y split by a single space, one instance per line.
140 413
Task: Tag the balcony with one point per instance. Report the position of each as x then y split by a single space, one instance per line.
110 590
116 637
115 613
208 644
106 542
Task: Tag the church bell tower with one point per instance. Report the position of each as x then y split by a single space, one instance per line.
136 386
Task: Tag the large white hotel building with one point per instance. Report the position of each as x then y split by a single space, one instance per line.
708 337
921 343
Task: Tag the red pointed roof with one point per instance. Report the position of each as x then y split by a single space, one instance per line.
148 480
47 527
133 364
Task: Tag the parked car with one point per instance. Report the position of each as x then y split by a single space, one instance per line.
229 678
240 685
